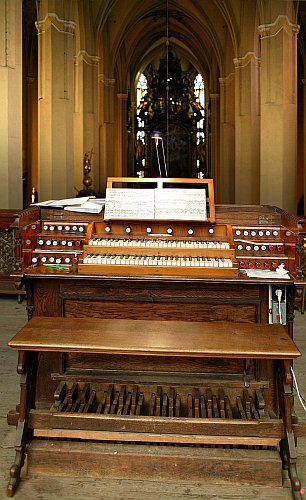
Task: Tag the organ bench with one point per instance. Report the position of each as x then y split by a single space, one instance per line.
108 421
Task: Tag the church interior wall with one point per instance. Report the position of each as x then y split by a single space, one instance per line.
79 92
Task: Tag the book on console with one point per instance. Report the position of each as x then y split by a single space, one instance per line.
159 204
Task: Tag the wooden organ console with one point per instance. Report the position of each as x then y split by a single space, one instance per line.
194 361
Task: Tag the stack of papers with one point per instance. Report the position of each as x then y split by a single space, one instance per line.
85 204
266 273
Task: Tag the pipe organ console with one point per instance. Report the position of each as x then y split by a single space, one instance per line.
114 270
225 248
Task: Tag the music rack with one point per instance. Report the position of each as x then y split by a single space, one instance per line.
168 183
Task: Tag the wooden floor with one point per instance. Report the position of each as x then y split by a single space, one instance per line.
12 317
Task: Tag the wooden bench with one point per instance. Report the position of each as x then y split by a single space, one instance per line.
151 338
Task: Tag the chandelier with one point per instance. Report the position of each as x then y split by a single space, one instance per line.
170 92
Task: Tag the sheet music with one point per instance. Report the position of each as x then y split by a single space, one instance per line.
159 204
92 206
129 204
86 204
180 204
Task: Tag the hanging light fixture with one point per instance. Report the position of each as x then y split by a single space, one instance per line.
167 80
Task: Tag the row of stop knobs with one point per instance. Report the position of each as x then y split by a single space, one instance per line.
149 230
55 243
64 227
258 264
275 247
53 260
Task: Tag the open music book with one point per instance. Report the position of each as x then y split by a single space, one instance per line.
160 204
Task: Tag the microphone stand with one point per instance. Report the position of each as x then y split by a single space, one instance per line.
157 136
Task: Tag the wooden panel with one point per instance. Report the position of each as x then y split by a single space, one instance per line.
155 463
248 215
155 438
177 426
47 363
149 299
141 287
46 297
158 271
156 338
187 365
179 310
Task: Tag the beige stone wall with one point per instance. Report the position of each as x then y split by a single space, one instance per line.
10 105
247 126
278 155
90 54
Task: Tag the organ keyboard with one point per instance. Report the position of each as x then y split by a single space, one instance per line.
159 249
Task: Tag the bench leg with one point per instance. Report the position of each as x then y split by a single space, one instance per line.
303 299
289 442
27 370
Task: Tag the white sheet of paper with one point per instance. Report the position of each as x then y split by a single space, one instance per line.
129 204
180 204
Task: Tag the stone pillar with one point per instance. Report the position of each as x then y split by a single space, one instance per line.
227 141
247 126
11 104
131 165
55 107
304 141
120 143
30 136
106 132
214 146
86 132
278 134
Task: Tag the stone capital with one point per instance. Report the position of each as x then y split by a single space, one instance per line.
226 80
122 96
61 25
88 59
108 82
280 24
248 58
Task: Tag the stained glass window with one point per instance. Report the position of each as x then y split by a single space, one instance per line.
141 90
199 92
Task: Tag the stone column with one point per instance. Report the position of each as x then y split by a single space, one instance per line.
30 135
131 165
106 132
55 107
214 146
11 104
86 132
304 141
120 143
247 126
227 141
278 133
